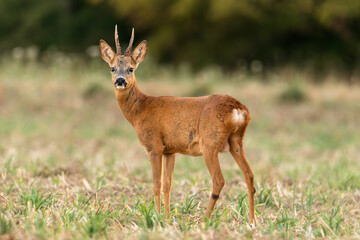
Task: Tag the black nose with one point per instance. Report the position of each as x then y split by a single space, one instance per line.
120 81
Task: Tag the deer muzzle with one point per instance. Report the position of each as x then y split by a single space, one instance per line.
120 82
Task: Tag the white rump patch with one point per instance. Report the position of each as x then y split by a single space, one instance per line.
239 116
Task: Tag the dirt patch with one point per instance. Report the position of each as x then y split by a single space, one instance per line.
74 169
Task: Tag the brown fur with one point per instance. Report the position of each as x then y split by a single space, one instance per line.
192 125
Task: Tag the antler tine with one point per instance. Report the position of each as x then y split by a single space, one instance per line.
118 48
128 50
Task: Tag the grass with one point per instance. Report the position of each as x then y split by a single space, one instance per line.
71 165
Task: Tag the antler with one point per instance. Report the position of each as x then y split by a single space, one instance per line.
128 50
118 48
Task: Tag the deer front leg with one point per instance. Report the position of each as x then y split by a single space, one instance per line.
212 163
169 163
156 164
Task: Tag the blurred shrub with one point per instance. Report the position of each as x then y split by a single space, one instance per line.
93 90
294 93
200 90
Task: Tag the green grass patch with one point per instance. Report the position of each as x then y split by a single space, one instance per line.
71 166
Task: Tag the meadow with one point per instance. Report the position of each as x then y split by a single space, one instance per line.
71 166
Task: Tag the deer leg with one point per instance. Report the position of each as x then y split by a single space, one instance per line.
212 163
156 164
238 153
169 163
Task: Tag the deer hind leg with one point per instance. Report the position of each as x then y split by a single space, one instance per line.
212 163
237 151
156 165
169 163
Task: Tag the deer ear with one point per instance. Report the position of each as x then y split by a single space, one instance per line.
140 52
106 52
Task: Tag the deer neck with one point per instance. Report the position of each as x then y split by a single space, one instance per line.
131 101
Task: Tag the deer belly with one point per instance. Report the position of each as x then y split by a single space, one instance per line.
193 149
184 143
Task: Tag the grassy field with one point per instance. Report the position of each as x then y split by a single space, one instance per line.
71 165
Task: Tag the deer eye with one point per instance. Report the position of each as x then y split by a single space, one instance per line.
112 69
131 70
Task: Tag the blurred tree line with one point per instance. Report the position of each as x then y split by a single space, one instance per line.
316 34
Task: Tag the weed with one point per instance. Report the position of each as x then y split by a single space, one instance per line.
185 223
82 200
190 204
309 199
8 165
285 223
95 225
265 197
69 217
6 225
36 198
333 221
215 220
148 212
40 225
241 206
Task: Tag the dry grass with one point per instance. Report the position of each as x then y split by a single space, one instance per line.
71 166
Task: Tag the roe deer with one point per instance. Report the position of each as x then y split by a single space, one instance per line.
189 125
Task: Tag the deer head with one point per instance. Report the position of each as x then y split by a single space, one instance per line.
122 67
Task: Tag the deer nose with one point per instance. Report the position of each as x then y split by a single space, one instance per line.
120 81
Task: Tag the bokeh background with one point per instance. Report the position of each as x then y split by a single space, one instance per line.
71 166
320 36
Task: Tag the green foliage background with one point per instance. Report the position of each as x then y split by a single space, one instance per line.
315 34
